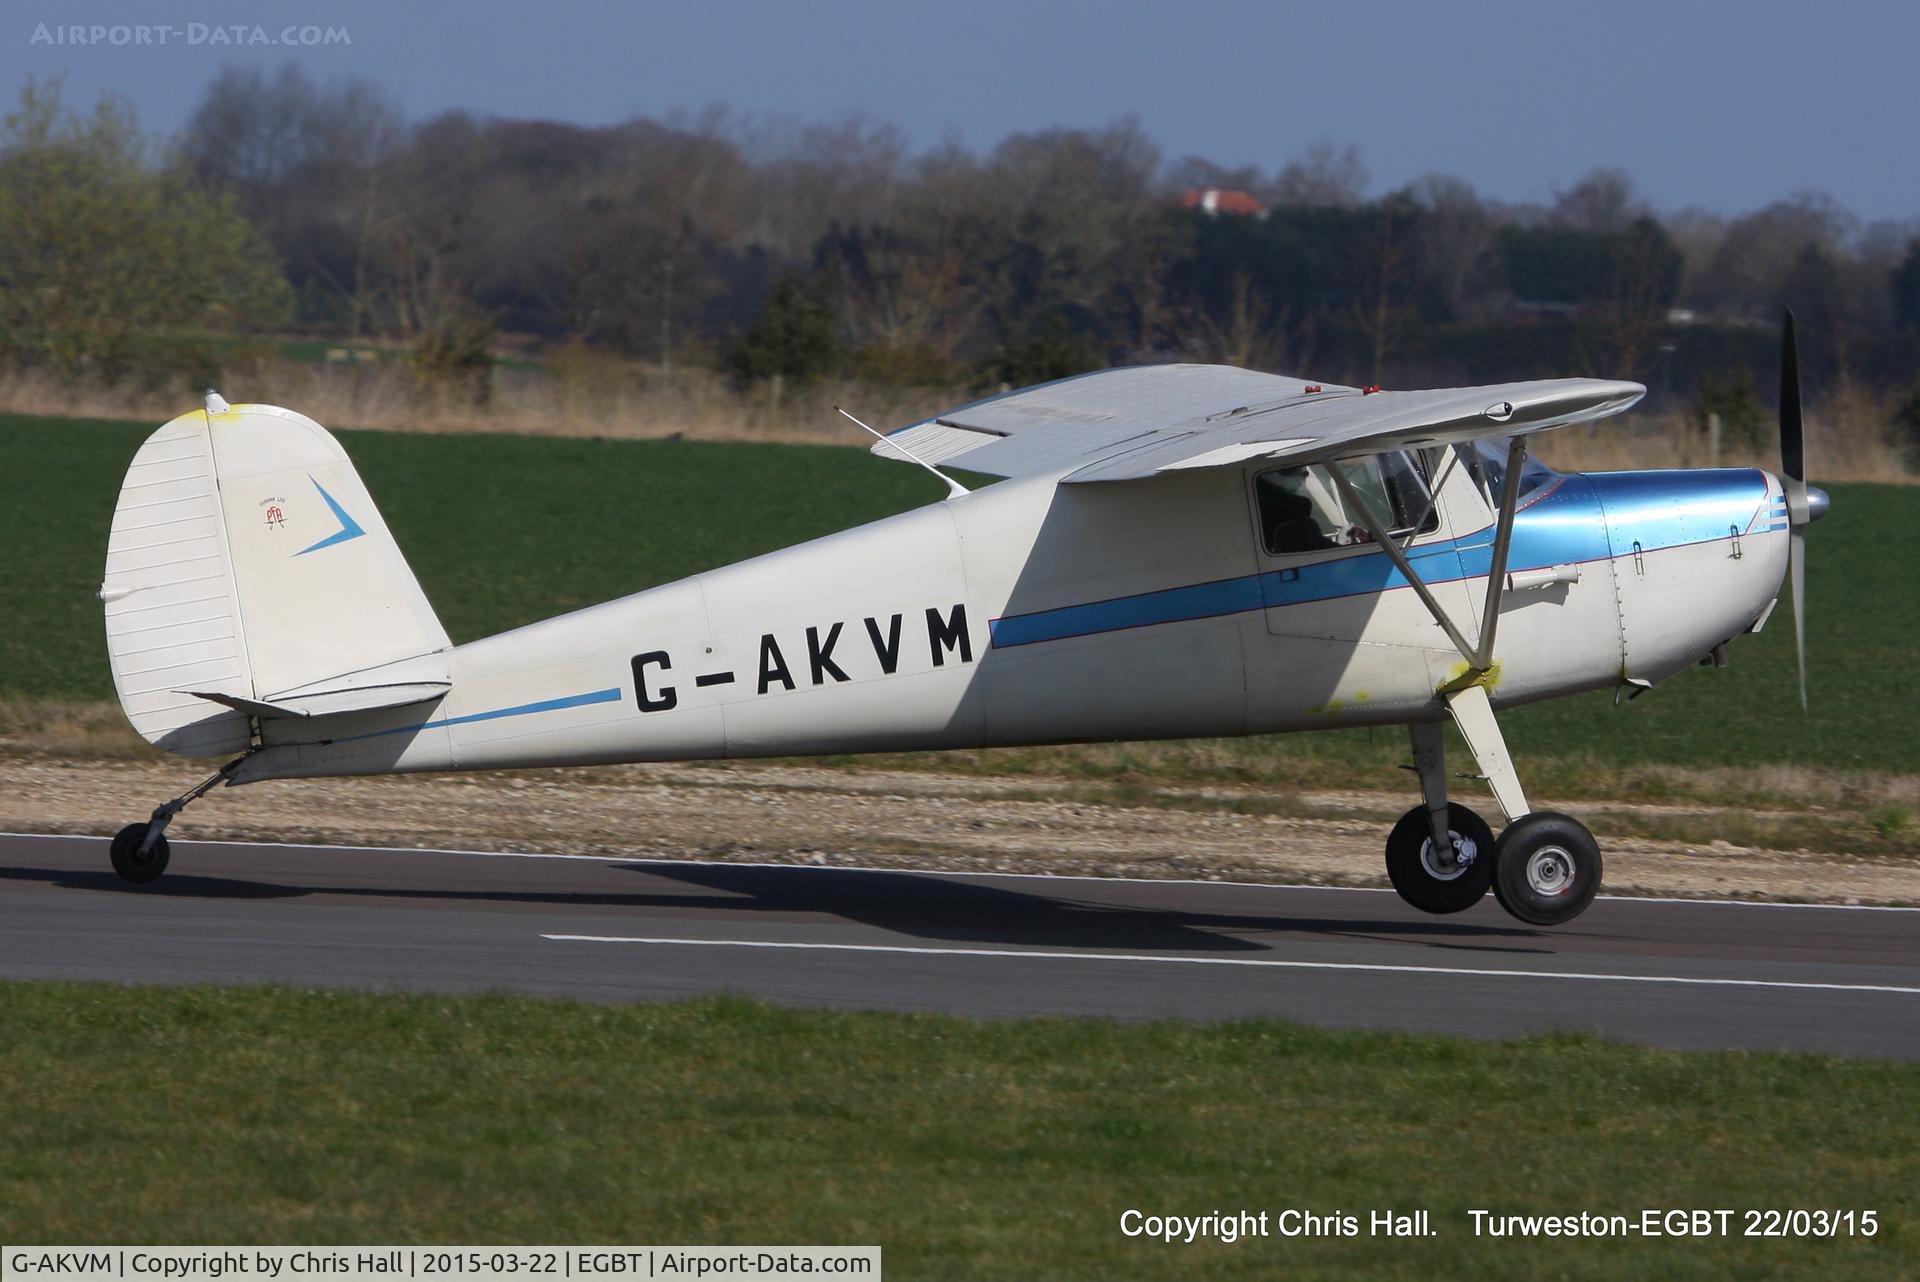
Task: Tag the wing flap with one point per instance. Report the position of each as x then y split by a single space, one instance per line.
935 442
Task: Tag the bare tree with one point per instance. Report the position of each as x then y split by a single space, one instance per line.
901 290
1251 330
1063 202
1603 202
1153 245
1323 175
1750 267
807 177
1643 275
1455 242
1384 271
1697 234
307 164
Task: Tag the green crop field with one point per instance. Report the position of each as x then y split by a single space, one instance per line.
965 1149
504 530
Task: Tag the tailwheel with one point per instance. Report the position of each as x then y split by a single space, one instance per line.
140 851
1448 880
1547 868
135 864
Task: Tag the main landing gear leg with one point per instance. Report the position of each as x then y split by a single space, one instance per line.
1546 866
1440 854
1474 715
140 850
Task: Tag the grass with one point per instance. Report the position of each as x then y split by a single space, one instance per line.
504 530
966 1149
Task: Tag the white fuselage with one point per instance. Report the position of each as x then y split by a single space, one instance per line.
1033 612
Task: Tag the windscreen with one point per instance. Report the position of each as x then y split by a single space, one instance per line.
1486 460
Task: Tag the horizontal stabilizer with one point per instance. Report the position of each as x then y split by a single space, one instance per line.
328 702
420 679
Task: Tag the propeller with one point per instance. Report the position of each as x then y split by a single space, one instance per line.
1804 505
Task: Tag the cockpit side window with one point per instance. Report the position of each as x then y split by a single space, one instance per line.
1299 512
1301 508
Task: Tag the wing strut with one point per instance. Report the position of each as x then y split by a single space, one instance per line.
1479 657
1482 658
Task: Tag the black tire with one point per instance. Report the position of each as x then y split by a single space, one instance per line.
133 866
1547 868
1440 886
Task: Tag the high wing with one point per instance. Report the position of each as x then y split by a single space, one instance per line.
1129 424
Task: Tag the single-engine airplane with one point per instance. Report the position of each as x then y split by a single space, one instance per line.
1176 551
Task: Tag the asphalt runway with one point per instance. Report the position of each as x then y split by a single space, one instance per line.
1665 972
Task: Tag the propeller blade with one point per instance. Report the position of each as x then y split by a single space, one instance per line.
1797 571
1793 445
1793 456
1793 479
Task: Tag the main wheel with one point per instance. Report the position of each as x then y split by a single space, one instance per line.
128 860
1445 881
1546 868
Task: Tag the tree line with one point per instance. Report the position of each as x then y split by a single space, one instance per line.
778 250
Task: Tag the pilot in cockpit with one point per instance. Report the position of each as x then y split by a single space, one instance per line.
1292 522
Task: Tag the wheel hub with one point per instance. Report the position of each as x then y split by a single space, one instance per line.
1450 863
1550 871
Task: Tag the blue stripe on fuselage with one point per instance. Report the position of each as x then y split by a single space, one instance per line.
519 710
1567 525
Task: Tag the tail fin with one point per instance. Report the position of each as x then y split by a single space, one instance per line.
249 574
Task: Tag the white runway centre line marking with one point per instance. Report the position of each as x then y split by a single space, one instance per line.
1273 963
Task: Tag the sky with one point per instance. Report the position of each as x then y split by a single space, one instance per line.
1724 106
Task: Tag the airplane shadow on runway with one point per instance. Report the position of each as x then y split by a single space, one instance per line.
926 907
960 911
